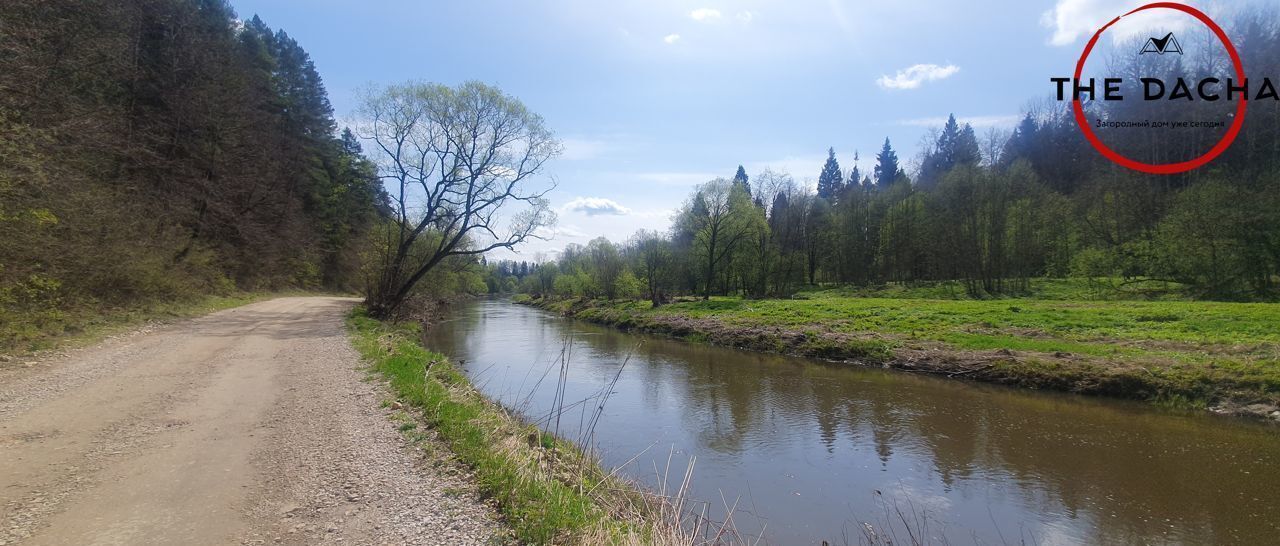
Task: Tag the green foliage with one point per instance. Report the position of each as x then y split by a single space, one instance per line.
458 161
628 286
1220 238
202 160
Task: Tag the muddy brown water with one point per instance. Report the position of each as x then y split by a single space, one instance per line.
813 451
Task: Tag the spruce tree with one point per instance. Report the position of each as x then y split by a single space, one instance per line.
779 209
831 180
1022 144
741 179
941 159
947 142
887 169
855 175
966 150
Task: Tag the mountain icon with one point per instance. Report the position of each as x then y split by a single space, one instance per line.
1160 46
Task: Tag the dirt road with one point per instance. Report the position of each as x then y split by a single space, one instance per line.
254 425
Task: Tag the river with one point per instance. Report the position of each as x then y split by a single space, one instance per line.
809 451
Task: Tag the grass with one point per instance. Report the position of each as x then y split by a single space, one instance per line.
64 328
1093 327
1175 352
547 489
1070 289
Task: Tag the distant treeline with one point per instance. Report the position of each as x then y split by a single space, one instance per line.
992 211
158 149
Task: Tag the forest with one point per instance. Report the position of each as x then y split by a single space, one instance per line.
991 211
161 150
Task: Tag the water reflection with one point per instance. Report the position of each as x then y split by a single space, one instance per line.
812 449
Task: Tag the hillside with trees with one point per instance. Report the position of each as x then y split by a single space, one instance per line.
161 150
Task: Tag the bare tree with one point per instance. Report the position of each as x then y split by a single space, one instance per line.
993 145
456 162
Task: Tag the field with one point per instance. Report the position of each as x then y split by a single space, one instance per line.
1182 353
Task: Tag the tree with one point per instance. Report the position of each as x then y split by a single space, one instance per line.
855 175
719 214
606 266
1021 144
955 145
457 160
654 255
939 157
349 202
857 230
815 233
887 169
831 180
740 178
967 151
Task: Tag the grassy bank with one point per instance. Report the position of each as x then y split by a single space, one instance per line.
547 489
1224 356
55 328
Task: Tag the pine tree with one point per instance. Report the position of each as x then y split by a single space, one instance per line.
306 104
887 169
831 180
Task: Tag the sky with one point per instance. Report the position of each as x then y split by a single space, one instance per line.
652 97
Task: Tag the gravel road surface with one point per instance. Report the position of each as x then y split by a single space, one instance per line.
254 425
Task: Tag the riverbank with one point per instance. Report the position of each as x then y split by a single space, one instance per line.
548 490
1221 357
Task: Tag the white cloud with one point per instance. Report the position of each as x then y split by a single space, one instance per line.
916 75
1073 20
975 121
596 206
705 14
746 16
671 38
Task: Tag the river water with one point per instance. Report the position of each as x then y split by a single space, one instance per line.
810 451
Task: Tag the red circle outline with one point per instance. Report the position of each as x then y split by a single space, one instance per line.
1164 168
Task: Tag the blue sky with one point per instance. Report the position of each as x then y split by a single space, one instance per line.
651 97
